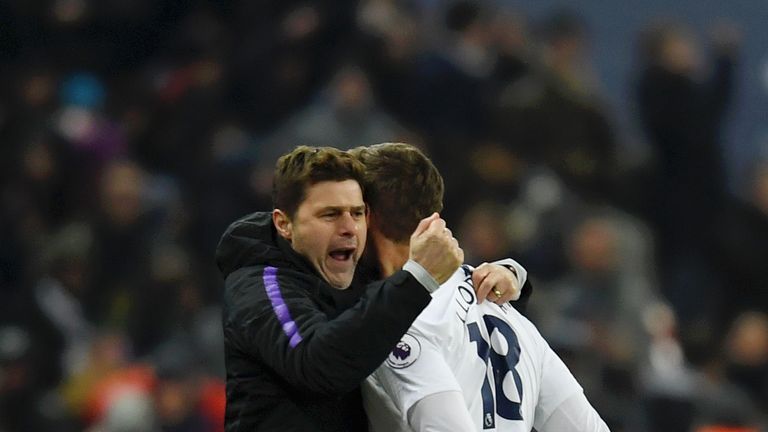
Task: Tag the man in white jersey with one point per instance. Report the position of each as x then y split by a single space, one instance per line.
462 366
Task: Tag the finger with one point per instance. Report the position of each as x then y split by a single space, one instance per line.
436 227
482 288
480 273
509 296
424 224
485 291
497 296
506 284
513 293
497 291
500 290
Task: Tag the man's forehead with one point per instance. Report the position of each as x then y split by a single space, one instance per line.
334 194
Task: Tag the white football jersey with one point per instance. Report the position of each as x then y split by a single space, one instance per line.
510 378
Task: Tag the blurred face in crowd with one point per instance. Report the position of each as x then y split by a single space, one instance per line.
39 162
328 228
176 400
122 189
352 91
594 247
680 53
748 341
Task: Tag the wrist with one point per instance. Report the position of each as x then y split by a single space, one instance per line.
422 275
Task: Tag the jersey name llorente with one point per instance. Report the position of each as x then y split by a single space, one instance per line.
490 353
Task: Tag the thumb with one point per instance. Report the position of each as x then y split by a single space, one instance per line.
424 224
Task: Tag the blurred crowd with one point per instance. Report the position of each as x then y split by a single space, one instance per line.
133 131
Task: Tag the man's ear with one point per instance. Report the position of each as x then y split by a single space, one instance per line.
282 224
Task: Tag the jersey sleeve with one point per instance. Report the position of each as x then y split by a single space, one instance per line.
417 366
441 412
414 370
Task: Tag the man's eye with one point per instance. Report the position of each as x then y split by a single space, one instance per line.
359 213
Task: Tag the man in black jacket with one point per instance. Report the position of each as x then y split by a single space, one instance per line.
294 357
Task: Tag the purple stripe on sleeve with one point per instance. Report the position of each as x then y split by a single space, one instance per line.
278 305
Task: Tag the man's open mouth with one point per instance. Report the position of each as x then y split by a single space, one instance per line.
342 254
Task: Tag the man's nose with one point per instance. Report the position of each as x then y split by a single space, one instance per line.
348 225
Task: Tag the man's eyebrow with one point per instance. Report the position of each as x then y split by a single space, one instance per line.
342 208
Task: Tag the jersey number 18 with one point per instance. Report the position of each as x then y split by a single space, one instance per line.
501 364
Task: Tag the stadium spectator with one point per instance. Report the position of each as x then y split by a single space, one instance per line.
682 117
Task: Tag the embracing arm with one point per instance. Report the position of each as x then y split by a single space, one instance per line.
275 320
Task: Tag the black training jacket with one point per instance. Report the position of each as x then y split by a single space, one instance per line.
294 357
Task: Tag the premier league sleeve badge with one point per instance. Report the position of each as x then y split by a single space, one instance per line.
406 352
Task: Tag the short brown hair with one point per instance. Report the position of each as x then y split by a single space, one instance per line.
402 186
305 166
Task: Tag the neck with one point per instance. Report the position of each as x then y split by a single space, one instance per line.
392 256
